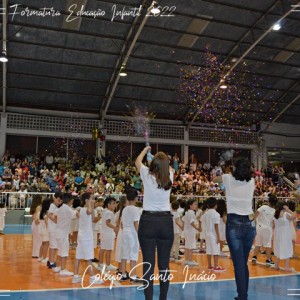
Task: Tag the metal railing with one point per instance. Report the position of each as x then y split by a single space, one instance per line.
256 199
21 200
290 184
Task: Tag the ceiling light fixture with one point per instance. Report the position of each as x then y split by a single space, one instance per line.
223 84
122 72
276 26
154 9
3 57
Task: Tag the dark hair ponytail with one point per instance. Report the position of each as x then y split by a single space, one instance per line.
45 207
279 208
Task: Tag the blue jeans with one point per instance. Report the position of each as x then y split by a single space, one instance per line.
156 231
240 234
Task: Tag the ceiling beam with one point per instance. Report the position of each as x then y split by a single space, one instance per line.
55 91
284 110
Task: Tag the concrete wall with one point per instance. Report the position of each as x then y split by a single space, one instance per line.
17 217
281 135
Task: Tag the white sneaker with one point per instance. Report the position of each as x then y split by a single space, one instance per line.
100 267
44 261
223 254
56 269
110 268
65 272
193 263
94 280
40 259
76 279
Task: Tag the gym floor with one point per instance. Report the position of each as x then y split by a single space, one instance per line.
25 278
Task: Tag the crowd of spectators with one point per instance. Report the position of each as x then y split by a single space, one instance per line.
50 173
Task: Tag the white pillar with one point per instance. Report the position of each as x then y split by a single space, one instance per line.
67 149
263 153
254 157
37 145
3 133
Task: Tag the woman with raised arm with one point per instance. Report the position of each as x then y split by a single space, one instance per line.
240 226
156 224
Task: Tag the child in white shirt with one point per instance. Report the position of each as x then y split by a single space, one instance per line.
130 243
264 232
211 221
122 204
74 223
85 242
43 230
202 233
189 230
96 225
293 224
3 212
283 245
221 209
64 215
57 202
97 220
177 226
108 233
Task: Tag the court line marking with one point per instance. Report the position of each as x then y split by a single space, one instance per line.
4 291
272 268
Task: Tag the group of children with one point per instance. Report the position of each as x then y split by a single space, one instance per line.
52 224
275 224
191 221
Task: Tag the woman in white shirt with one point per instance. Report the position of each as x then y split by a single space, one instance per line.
156 223
240 226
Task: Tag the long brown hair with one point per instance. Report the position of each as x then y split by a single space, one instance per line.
36 201
121 206
159 168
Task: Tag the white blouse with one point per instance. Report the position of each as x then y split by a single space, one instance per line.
155 199
239 195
